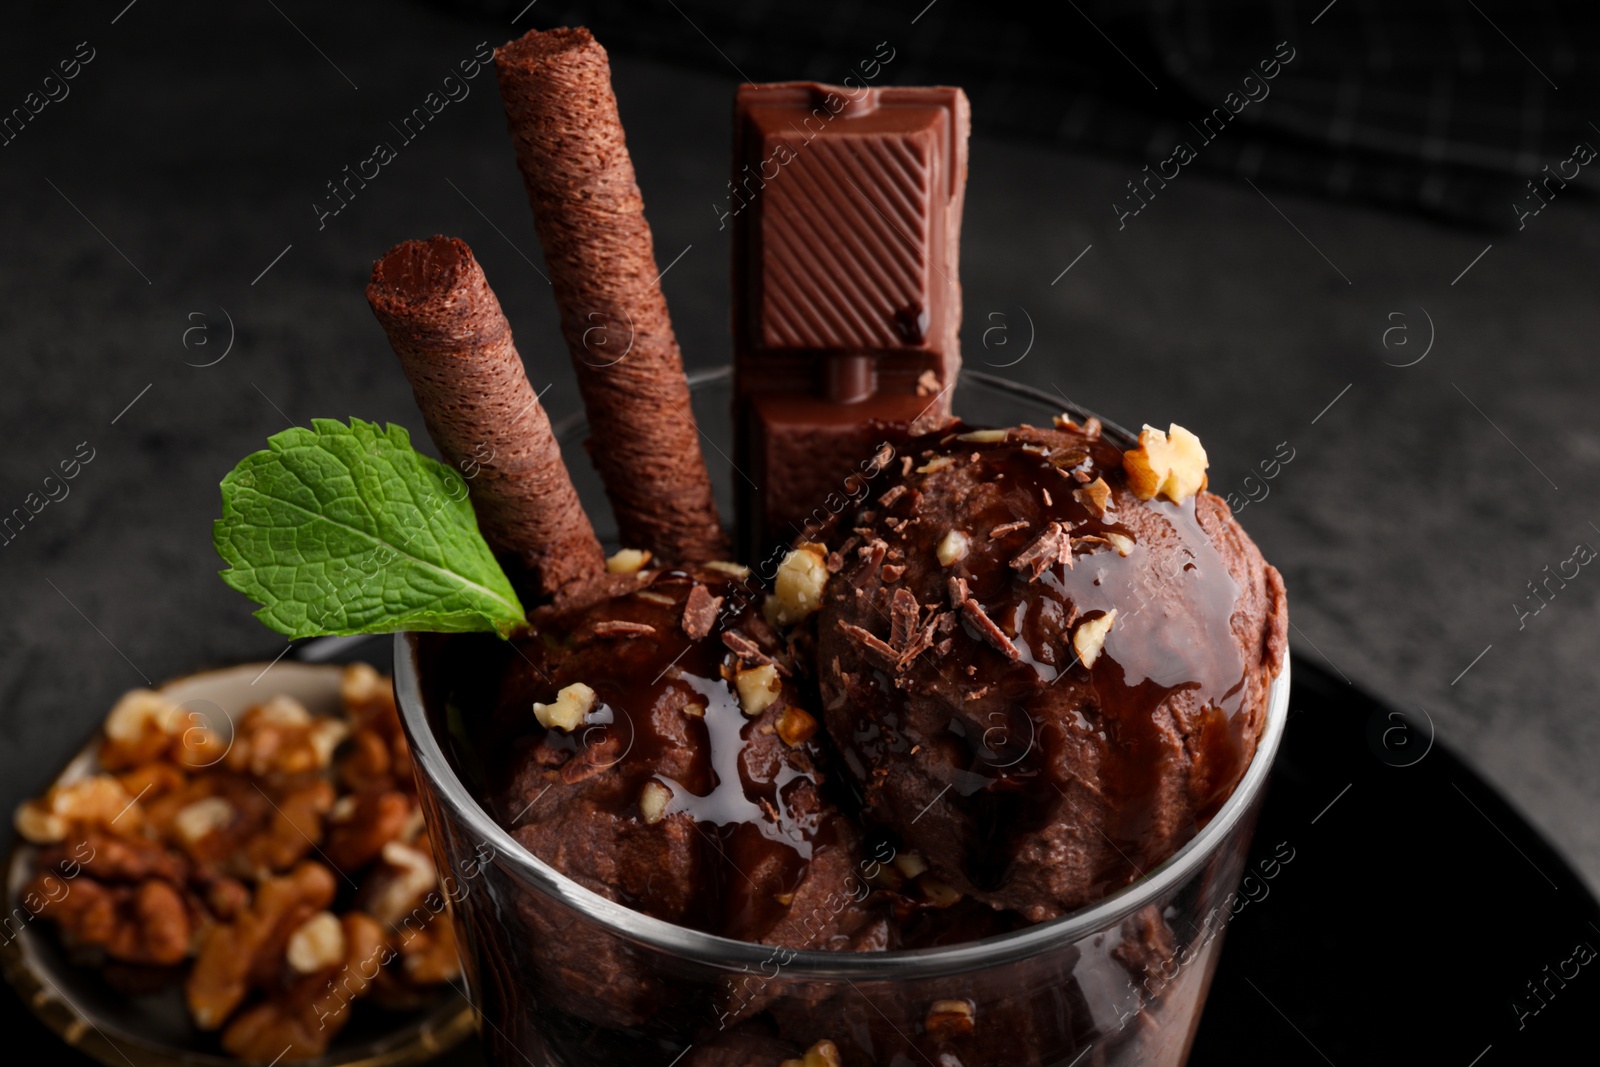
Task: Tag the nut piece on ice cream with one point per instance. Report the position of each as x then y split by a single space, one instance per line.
797 588
1062 705
1171 464
572 703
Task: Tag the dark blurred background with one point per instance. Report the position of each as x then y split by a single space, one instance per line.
1382 262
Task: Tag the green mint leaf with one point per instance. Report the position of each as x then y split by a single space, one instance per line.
348 530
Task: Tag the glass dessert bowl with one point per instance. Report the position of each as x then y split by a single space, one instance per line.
563 976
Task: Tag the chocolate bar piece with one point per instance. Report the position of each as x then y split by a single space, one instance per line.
846 208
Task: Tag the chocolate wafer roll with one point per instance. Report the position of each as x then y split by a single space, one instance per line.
455 347
556 86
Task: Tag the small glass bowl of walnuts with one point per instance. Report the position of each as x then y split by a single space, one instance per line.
236 868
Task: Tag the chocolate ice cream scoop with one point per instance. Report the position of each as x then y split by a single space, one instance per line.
1045 671
658 750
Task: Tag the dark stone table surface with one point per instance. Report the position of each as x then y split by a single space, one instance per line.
172 193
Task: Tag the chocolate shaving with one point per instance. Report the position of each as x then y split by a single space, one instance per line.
745 649
892 571
1049 548
875 647
904 613
873 553
622 628
1005 528
897 525
834 562
973 612
919 643
1081 476
1048 502
892 494
1094 496
700 612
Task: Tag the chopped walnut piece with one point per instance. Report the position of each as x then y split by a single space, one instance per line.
910 863
275 740
939 894
326 736
229 953
1090 637
202 818
362 686
293 827
953 548
572 703
796 726
139 709
299 1022
653 801
283 710
145 923
937 463
1121 542
737 571
928 384
1171 464
758 688
398 885
316 944
797 589
949 1018
1094 496
357 836
140 728
627 561
36 823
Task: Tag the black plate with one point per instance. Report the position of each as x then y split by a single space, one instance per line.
1417 909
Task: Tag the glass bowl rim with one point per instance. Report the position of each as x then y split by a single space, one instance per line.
716 951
